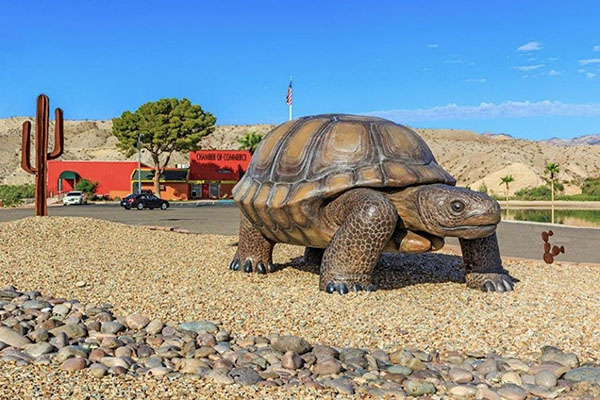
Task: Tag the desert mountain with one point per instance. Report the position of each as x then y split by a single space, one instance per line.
472 158
591 140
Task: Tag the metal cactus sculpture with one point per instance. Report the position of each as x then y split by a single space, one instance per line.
41 153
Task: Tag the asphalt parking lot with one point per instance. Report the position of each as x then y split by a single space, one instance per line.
516 239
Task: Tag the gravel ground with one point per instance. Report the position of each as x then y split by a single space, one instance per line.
422 303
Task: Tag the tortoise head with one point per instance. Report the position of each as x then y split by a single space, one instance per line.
445 210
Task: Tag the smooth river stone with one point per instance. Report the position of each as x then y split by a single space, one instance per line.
13 338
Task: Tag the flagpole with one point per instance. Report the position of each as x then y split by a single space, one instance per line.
290 101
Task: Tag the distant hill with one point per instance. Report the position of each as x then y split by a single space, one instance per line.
470 157
591 140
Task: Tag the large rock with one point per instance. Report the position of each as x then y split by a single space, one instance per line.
137 321
291 343
73 331
584 374
13 338
198 326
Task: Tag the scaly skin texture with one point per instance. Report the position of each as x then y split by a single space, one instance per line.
483 266
368 220
254 251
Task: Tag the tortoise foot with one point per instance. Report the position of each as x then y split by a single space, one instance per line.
490 282
342 288
247 266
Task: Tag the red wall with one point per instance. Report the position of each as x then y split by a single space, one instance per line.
218 165
111 175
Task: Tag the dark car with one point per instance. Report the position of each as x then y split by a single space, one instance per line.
144 200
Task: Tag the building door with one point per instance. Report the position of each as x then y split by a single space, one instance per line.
205 191
214 190
196 190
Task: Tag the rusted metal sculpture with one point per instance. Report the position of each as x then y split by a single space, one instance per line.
550 252
41 149
349 187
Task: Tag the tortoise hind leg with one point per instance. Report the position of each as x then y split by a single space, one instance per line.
483 266
313 255
368 220
254 251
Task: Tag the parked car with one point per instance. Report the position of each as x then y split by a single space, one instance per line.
144 200
75 198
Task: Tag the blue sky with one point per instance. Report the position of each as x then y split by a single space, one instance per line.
527 68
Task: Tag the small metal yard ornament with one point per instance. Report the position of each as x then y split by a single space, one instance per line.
41 149
550 251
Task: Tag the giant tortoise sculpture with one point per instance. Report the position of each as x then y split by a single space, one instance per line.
351 187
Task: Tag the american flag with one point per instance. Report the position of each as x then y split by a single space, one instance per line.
288 98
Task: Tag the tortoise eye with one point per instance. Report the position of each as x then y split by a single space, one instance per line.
458 206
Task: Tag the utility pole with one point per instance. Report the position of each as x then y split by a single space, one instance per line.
139 146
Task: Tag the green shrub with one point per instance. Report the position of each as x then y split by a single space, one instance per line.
14 194
483 188
537 193
87 187
591 187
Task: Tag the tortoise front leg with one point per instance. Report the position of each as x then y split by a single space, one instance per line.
483 266
254 251
369 219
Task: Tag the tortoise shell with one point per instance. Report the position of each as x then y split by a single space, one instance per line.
303 163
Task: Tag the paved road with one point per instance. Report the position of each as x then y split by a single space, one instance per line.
516 239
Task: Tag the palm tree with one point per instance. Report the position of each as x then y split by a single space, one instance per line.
250 141
553 169
506 180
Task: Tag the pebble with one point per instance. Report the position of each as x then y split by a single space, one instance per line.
13 338
546 379
220 377
136 346
137 321
327 367
418 388
154 327
462 391
291 343
198 326
73 364
460 375
510 391
292 360
584 374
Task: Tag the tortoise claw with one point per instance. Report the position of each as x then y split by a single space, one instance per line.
248 266
261 269
330 288
371 288
235 265
356 287
488 287
342 288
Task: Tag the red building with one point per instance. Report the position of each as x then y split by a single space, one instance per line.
213 173
113 177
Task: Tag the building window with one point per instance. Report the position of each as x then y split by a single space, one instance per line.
162 187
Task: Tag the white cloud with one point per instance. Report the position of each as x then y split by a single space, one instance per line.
596 48
552 58
509 109
589 61
529 67
432 45
476 80
553 72
531 59
530 46
581 71
590 75
454 61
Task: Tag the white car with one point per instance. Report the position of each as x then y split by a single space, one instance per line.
74 198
